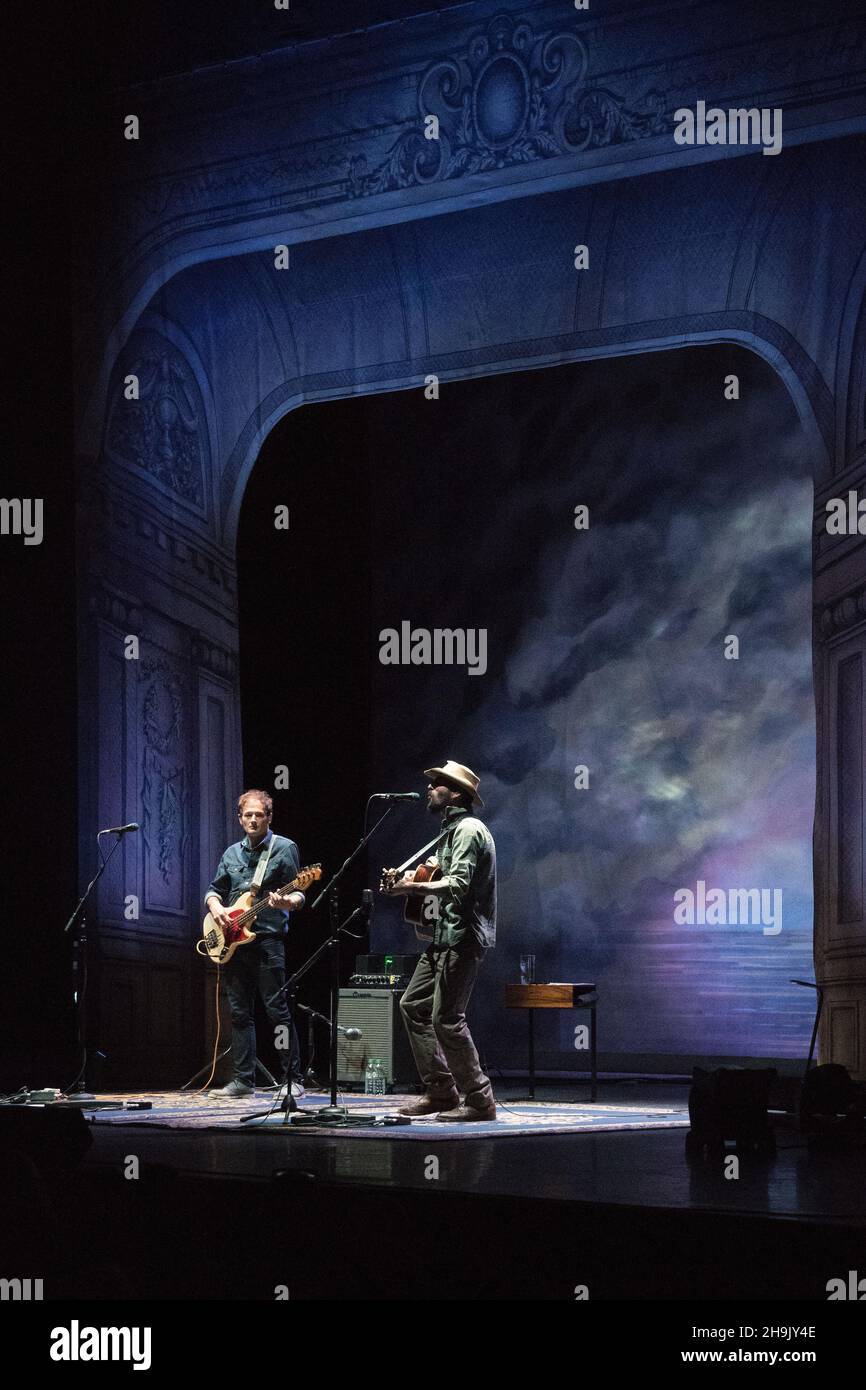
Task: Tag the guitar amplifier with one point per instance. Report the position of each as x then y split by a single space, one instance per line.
386 964
377 1013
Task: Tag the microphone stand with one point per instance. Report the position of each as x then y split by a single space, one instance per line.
260 1067
311 1079
79 944
333 1114
289 1105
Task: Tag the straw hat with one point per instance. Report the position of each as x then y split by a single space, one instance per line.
458 776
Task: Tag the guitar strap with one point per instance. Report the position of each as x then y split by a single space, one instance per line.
424 934
262 867
412 857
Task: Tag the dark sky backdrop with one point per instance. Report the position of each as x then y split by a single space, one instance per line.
605 648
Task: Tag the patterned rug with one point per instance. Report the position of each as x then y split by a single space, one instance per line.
378 1116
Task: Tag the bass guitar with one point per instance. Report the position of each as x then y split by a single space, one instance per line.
220 944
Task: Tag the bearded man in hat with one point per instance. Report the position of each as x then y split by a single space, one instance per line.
464 929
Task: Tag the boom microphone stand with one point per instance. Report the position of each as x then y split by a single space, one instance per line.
311 1079
289 1105
79 943
333 1114
208 1066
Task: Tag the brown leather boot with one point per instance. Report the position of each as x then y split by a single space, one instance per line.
467 1111
430 1105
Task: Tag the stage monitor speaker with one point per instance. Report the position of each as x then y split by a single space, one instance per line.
730 1103
54 1137
376 1012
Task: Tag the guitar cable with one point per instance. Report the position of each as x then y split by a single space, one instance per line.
217 1039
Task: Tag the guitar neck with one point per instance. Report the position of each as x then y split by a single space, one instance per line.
252 912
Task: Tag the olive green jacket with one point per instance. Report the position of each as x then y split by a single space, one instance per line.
467 856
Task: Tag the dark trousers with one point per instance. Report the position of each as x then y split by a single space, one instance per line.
262 966
434 1011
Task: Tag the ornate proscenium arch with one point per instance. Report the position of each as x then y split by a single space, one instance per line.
253 155
455 257
764 338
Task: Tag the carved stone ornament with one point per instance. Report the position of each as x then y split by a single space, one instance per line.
162 713
836 617
164 782
512 98
162 432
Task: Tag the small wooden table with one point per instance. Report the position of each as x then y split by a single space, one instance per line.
561 996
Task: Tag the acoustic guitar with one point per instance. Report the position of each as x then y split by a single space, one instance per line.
221 945
413 908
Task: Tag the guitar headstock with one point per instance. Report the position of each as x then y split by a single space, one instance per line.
298 884
307 876
388 879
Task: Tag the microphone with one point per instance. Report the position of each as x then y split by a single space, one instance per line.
367 903
396 796
351 1034
119 829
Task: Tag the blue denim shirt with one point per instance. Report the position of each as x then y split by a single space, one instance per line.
235 874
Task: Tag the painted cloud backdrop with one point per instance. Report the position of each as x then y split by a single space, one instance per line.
606 649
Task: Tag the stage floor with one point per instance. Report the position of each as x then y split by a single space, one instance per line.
225 1211
641 1163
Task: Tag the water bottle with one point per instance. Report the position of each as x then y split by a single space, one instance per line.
377 1077
370 1077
